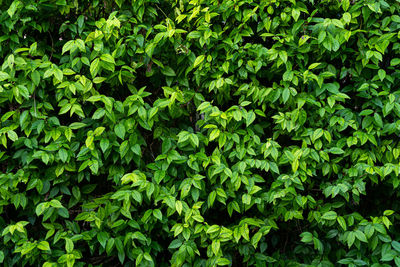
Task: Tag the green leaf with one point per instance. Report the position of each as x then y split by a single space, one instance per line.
345 4
395 62
378 120
63 212
336 151
215 246
313 66
214 134
157 213
223 262
342 222
119 130
212 229
43 245
35 75
350 239
95 67
283 56
175 244
369 230
99 80
285 95
4 76
168 71
102 237
396 245
13 8
198 60
104 143
69 245
360 236
337 23
347 17
330 215
67 46
178 206
40 208
317 134
251 116
321 36
381 74
107 58
63 154
159 175
255 239
306 237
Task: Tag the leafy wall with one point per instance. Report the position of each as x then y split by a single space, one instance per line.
199 133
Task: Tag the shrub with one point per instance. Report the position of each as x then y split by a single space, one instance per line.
199 133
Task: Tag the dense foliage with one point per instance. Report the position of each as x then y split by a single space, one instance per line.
199 133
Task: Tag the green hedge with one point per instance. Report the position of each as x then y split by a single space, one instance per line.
199 133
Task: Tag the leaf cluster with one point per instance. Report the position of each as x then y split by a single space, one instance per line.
199 133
